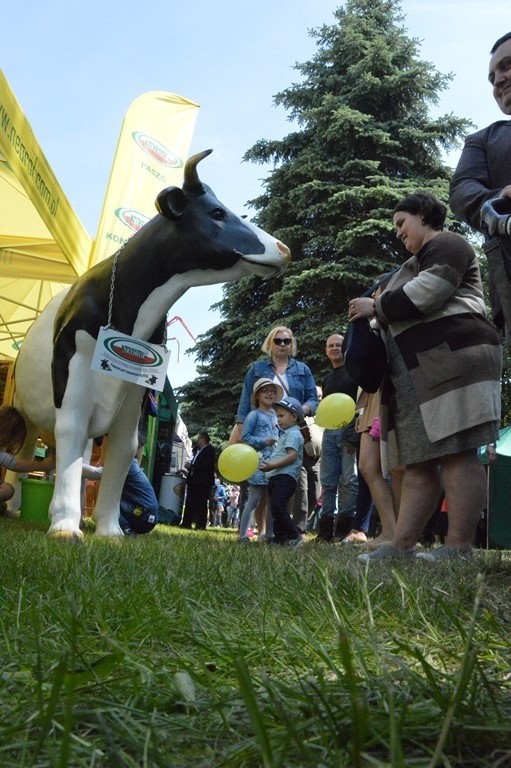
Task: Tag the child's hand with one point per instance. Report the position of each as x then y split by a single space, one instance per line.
270 441
47 463
265 466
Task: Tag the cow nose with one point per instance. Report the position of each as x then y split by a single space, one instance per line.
284 250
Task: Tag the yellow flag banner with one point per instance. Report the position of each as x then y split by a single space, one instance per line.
26 160
153 145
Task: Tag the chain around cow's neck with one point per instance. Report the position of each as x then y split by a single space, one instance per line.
112 284
111 297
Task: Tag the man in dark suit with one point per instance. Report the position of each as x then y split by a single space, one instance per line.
200 480
483 173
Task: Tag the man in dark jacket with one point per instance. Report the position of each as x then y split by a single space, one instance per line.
338 474
200 480
484 173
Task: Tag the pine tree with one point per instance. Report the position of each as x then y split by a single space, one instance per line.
364 139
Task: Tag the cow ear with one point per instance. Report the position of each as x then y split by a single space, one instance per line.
171 202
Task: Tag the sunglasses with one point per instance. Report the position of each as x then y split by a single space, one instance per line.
282 342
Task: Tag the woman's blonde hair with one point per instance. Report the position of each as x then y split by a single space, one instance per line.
13 429
266 346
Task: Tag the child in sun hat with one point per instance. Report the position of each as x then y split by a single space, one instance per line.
283 468
260 430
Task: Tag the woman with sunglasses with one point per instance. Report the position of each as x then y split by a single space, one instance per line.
281 367
296 380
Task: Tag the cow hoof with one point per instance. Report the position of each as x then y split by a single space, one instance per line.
71 536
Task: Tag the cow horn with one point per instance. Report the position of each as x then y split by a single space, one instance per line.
191 177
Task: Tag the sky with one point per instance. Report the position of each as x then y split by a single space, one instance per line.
75 67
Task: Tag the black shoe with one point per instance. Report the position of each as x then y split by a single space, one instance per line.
325 529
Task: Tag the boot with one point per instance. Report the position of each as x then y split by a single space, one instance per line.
325 528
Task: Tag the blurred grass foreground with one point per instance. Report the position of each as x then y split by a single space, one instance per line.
184 649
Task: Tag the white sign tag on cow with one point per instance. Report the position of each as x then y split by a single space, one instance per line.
124 357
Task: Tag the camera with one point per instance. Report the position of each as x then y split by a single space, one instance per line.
496 216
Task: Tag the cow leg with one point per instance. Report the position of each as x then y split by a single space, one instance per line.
14 478
71 440
72 422
122 446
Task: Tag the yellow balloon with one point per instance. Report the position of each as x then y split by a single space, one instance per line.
237 462
335 411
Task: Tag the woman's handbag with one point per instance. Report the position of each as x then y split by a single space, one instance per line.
365 353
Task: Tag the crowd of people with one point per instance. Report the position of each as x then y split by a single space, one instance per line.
421 466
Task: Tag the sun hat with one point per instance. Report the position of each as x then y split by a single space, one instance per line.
291 404
265 382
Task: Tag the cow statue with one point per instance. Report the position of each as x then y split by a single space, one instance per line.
193 240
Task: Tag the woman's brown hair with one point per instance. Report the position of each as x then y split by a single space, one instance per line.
13 429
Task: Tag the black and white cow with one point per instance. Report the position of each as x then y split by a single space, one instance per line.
194 240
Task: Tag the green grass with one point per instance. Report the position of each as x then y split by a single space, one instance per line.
184 649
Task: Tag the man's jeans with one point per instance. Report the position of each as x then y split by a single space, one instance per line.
338 474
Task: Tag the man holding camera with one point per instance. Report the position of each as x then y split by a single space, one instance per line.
483 174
